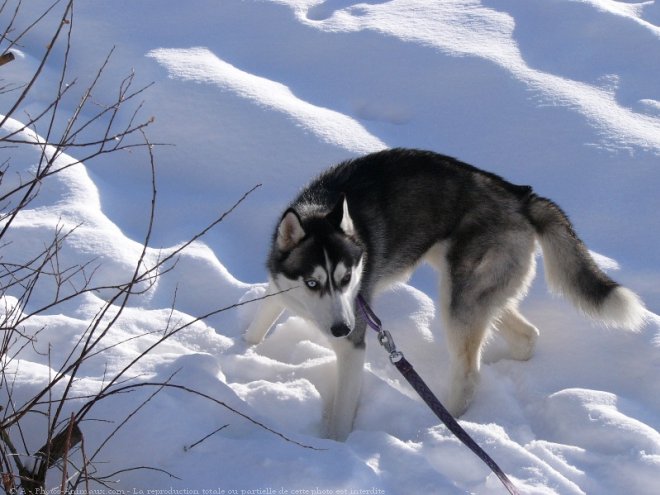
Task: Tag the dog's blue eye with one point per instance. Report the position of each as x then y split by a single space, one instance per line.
312 284
346 279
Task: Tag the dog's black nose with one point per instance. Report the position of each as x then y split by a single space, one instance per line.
340 330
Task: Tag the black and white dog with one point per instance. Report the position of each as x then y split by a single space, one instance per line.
368 222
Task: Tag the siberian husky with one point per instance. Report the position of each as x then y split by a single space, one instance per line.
366 223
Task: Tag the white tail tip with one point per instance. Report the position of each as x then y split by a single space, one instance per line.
623 309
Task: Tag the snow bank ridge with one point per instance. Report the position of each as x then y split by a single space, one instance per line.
202 65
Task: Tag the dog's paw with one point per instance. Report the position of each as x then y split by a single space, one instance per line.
520 334
457 406
247 310
336 432
461 392
522 349
253 336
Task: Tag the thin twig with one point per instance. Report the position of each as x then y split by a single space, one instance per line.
186 448
65 456
212 399
141 468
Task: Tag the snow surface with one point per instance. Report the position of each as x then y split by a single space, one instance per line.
560 94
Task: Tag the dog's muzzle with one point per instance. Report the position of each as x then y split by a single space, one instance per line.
340 330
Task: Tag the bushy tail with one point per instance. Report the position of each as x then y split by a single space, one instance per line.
571 271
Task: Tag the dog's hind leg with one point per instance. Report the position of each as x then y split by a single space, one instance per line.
270 309
466 325
484 274
465 340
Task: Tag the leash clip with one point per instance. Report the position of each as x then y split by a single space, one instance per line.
384 336
385 339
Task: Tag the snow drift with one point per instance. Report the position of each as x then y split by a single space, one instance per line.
559 94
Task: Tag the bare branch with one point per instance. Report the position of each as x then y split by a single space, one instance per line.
41 282
210 398
44 59
186 448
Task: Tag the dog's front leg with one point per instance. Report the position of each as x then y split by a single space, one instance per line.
270 309
350 366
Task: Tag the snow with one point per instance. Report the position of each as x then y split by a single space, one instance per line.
201 65
559 94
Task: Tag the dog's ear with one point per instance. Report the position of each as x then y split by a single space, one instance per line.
341 218
290 231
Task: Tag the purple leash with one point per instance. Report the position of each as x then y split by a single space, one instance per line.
412 377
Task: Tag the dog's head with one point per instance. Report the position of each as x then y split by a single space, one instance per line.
317 259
